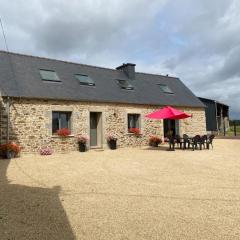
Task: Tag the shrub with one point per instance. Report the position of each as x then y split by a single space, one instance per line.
63 132
13 147
154 140
46 151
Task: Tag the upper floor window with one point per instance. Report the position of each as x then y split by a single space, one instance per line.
49 75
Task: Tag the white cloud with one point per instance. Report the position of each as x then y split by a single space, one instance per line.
197 41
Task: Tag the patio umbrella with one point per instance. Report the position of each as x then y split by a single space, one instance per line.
168 113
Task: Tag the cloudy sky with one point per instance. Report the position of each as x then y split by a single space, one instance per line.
198 41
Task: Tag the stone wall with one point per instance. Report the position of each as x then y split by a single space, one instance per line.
31 123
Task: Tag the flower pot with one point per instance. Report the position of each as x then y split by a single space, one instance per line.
112 144
82 147
10 154
154 144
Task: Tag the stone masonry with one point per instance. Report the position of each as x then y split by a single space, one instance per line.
31 123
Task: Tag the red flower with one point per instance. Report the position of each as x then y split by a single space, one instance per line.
10 147
134 130
63 132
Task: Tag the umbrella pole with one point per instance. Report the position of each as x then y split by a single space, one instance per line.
171 144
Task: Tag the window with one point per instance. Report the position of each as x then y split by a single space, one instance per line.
49 75
124 84
165 88
60 120
133 121
85 80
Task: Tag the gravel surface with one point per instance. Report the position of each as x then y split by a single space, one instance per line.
123 194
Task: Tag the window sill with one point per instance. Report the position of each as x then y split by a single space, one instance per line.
69 136
131 134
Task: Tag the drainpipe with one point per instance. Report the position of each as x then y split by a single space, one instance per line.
8 117
216 115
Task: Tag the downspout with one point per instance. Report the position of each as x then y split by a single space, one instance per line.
216 116
8 118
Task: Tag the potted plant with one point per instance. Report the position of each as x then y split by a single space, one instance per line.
10 150
135 131
82 142
63 132
154 141
112 142
45 151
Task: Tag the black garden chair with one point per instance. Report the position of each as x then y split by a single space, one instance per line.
210 141
186 141
204 139
179 141
194 142
201 141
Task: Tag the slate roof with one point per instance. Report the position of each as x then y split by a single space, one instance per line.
21 78
211 100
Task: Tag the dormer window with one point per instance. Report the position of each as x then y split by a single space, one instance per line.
85 79
124 84
49 75
165 88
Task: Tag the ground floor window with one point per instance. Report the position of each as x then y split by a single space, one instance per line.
133 122
60 120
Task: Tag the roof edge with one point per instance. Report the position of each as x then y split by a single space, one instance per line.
98 101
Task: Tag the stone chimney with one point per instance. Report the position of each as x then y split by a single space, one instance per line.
128 69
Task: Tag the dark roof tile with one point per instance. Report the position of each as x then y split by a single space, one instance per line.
21 78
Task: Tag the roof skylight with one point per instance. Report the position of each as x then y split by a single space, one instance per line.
49 75
85 80
165 88
124 84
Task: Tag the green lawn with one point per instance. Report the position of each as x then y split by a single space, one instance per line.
231 130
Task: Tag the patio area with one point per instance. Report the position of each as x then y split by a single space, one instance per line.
141 193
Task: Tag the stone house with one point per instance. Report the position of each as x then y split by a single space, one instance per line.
40 96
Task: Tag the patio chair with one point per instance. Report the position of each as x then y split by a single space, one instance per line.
195 141
210 141
186 141
178 141
204 139
199 141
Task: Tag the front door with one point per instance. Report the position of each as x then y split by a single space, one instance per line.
95 129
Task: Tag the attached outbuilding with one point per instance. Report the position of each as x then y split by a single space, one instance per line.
217 115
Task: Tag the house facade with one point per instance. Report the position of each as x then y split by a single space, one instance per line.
39 96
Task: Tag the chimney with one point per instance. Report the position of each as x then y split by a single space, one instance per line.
128 69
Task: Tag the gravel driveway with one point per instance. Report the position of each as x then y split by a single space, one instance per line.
123 194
